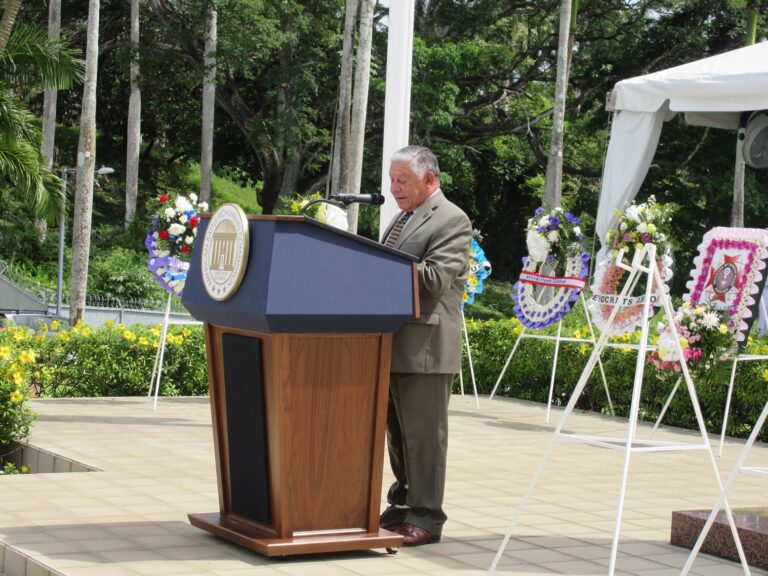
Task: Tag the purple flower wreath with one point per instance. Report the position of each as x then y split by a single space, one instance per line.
554 241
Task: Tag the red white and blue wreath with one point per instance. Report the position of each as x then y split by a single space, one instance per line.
479 270
555 270
170 240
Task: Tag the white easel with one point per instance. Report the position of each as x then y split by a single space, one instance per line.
630 444
469 357
736 359
157 369
557 339
737 468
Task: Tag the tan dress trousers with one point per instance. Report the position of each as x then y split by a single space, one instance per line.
418 413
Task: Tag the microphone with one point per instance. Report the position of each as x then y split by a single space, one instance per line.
372 199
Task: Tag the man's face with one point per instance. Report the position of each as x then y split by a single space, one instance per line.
409 191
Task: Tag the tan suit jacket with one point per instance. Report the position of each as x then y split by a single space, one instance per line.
439 234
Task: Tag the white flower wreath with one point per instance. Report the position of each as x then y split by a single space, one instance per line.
556 260
638 225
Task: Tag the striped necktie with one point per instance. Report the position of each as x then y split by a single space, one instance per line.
394 234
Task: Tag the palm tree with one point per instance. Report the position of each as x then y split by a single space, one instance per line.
49 108
29 62
359 105
339 181
51 94
86 162
133 139
554 179
752 10
6 22
209 104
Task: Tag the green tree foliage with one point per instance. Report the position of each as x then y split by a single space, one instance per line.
278 69
483 96
18 237
483 89
29 63
121 273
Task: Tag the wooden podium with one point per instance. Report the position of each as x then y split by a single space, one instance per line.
298 364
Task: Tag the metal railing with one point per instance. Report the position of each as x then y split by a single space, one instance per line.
98 307
42 293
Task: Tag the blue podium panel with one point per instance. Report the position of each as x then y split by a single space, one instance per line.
304 276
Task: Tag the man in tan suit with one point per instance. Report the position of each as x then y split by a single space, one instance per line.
426 353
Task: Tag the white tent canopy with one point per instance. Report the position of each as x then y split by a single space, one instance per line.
711 92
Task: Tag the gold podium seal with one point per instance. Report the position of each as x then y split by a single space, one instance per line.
225 252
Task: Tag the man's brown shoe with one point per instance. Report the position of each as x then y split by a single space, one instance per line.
415 536
389 523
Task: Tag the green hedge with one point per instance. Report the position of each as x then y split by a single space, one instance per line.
528 376
115 360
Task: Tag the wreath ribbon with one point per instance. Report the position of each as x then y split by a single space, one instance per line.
552 281
607 286
168 271
613 299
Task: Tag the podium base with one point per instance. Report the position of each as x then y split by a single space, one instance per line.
309 544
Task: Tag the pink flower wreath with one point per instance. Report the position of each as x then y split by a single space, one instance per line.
728 272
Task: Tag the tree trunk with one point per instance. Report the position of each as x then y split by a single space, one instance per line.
6 23
209 102
286 149
554 182
133 139
50 96
258 138
359 106
86 160
737 210
571 36
753 14
340 154
291 173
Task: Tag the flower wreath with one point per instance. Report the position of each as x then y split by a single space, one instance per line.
556 260
479 270
704 339
170 240
638 225
728 272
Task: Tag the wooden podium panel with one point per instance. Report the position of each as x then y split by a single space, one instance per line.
299 424
298 366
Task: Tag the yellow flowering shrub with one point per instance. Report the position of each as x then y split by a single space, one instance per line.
117 360
17 363
85 361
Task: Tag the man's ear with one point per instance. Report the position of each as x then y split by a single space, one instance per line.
432 180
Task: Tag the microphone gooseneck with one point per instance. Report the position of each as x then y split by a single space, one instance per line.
372 199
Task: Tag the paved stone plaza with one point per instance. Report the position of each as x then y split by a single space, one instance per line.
157 465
